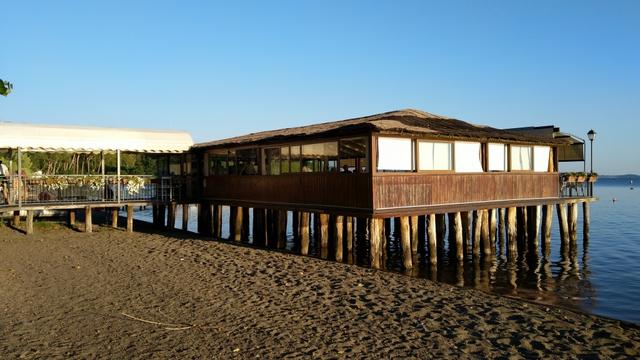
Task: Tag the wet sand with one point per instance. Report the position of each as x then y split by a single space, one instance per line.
69 294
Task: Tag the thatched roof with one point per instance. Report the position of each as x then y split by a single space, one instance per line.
408 121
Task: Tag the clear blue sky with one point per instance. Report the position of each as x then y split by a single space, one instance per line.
233 67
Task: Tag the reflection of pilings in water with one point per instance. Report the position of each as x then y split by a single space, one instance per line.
459 273
512 277
564 261
433 240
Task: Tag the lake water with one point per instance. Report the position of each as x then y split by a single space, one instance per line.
600 275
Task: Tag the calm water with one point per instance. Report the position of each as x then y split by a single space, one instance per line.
600 275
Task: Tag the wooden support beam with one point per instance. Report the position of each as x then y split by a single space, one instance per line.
457 228
349 233
72 218
432 239
237 223
415 226
493 226
88 223
534 218
466 231
338 234
375 239
512 231
502 216
586 220
114 218
217 221
304 233
405 240
477 233
547 214
16 218
324 235
486 237
129 218
282 229
185 217
171 217
562 222
29 222
573 222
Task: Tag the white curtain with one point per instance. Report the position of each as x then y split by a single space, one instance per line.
541 158
395 154
497 157
521 158
468 157
434 155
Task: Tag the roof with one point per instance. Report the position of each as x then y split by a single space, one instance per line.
550 132
30 137
408 121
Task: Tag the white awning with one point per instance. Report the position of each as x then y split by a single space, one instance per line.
29 137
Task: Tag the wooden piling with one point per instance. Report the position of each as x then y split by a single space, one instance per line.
236 222
162 216
324 235
217 220
573 221
349 233
457 228
501 228
259 231
586 220
304 233
493 226
16 218
29 222
486 237
244 235
114 218
375 240
414 238
88 223
72 218
477 233
129 218
512 231
171 217
432 239
185 217
441 228
338 235
466 231
562 222
405 240
281 229
547 214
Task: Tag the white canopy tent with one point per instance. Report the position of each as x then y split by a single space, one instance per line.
81 139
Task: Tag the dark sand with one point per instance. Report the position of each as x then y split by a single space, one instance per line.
63 295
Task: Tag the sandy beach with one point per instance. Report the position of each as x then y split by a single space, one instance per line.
112 294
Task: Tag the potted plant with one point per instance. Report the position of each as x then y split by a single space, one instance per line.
569 177
581 177
592 177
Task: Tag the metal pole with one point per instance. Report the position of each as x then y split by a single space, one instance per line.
118 173
104 182
19 178
591 172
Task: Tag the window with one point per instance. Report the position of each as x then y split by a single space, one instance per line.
395 154
295 159
468 157
434 155
353 155
497 157
247 161
541 158
284 160
272 161
218 162
320 157
521 158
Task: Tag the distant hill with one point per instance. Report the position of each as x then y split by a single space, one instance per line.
633 177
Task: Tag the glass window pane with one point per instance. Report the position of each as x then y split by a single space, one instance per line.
272 161
521 158
497 157
247 161
468 156
353 155
434 155
218 162
295 158
284 160
541 158
395 154
320 157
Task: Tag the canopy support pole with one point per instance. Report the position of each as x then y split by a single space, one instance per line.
118 174
104 182
19 178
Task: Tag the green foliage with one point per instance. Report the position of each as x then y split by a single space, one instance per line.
5 87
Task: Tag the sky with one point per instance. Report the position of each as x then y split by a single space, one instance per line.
220 69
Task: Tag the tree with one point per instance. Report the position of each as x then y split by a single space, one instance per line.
5 87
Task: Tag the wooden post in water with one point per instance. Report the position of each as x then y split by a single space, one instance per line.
16 218
171 218
185 217
441 228
88 223
236 224
324 235
129 218
349 228
512 231
29 222
217 220
493 226
457 227
72 218
501 228
547 214
281 231
477 232
259 234
573 222
466 232
375 236
244 235
338 235
405 240
432 239
114 218
304 233
414 238
486 237
562 222
586 220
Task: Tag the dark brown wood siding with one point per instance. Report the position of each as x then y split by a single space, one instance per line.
417 189
309 190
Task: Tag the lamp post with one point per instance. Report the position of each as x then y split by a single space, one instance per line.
591 135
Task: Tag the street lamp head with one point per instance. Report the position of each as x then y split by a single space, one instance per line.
591 134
